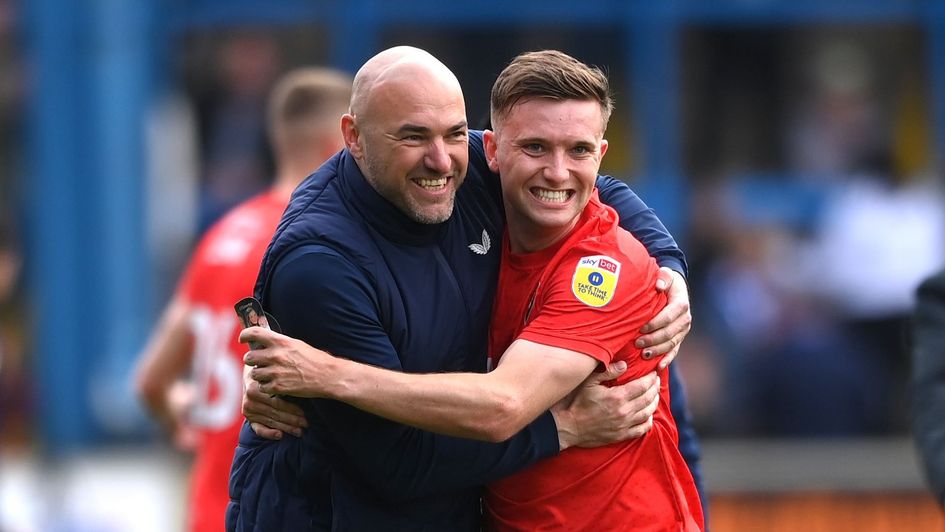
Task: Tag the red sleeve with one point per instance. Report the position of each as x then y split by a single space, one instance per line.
595 301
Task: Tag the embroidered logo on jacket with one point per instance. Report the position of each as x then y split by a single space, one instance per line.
595 280
482 248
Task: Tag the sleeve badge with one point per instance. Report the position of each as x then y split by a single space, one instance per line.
595 280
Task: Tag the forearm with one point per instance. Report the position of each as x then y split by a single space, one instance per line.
165 359
486 406
468 405
160 410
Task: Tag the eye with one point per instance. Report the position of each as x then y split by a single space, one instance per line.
459 135
412 138
533 148
581 150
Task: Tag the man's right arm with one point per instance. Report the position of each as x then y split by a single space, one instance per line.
322 299
528 381
165 360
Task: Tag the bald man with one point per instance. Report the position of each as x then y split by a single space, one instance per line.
383 258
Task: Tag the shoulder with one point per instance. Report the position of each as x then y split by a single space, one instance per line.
317 276
614 260
606 262
257 215
320 190
618 242
316 213
321 297
314 261
320 217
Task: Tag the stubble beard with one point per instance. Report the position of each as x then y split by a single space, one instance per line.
401 199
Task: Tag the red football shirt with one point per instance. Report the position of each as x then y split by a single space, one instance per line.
591 293
222 271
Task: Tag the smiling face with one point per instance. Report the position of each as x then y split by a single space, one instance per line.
548 153
410 138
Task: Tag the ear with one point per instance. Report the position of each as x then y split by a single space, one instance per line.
491 147
603 147
351 135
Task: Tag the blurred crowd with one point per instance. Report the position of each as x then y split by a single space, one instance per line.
806 252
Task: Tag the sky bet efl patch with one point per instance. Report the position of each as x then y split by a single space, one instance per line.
595 280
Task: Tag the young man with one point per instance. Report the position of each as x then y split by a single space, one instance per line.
190 373
382 258
573 291
572 280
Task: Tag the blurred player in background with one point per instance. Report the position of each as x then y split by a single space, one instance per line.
190 373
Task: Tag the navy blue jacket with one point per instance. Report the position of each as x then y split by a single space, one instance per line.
350 273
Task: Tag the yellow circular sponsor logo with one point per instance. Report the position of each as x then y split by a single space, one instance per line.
595 280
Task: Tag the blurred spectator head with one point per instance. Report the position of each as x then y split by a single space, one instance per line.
304 114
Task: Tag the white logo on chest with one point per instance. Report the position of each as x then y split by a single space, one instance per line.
481 248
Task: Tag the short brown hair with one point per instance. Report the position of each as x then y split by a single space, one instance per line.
549 74
306 100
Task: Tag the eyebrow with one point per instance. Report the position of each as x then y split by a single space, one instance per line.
530 140
416 128
543 140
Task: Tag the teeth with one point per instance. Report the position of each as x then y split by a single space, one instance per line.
432 184
555 196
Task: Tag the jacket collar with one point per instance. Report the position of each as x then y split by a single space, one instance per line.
381 214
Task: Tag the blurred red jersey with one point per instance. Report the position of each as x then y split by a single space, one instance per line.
222 271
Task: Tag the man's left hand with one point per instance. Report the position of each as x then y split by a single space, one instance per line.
595 414
666 331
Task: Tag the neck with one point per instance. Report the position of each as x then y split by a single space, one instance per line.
527 237
289 174
284 188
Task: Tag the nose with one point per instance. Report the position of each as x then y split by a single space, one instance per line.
556 171
437 158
